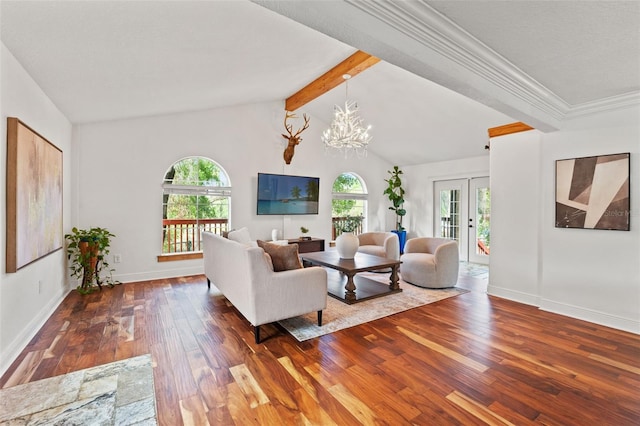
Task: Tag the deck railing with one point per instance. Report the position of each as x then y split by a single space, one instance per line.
449 229
183 235
338 223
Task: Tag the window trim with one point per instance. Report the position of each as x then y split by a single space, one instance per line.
349 196
174 257
194 190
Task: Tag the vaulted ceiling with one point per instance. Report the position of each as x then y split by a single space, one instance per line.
449 69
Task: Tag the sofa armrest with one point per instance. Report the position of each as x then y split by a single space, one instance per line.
280 295
447 260
447 252
392 246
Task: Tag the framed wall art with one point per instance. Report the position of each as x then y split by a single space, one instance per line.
593 192
34 196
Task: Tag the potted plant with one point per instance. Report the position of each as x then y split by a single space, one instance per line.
395 193
347 242
87 249
304 233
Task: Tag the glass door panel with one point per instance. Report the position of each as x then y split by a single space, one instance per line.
451 199
479 221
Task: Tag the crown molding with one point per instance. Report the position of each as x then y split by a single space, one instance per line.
435 31
625 100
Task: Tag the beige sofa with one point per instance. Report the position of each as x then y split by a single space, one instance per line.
244 274
383 244
430 262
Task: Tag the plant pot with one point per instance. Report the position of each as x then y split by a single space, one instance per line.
402 238
90 252
347 245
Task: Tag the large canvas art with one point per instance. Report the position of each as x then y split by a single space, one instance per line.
593 192
34 196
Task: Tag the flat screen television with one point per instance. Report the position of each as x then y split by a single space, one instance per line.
287 194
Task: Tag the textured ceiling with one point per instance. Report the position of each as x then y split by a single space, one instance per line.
582 51
106 60
111 59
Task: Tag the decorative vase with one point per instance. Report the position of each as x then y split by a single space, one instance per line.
347 245
274 234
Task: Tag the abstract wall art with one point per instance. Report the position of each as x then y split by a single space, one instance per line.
593 192
34 196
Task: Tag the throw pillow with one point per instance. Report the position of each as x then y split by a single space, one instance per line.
241 236
283 257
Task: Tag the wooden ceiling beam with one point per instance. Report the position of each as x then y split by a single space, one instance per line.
508 129
353 65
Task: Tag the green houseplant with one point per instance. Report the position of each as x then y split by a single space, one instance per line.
395 193
87 250
304 232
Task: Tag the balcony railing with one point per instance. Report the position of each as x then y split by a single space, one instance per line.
183 235
449 228
338 223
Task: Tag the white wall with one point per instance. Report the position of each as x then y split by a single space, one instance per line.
29 296
121 165
588 274
418 182
515 217
592 274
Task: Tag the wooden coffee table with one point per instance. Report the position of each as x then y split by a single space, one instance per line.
345 285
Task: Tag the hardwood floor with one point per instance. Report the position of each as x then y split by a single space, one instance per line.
470 359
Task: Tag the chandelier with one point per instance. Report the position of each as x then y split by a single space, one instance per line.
347 132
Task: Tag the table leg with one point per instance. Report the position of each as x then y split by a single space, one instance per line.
393 279
350 294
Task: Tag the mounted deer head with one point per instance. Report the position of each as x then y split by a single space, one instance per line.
294 139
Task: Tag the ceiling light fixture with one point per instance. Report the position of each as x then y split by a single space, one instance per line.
347 132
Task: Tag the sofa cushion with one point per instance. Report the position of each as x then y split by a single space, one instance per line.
283 257
374 250
241 236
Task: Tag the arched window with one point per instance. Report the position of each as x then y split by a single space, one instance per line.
196 197
348 199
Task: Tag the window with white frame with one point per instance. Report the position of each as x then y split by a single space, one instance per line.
196 197
348 199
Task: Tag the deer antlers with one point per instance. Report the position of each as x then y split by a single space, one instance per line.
294 139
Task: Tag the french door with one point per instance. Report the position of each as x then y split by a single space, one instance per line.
463 213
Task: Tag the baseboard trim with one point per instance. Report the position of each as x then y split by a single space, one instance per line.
577 312
159 275
590 315
516 296
14 349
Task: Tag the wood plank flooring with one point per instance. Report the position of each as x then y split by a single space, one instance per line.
467 360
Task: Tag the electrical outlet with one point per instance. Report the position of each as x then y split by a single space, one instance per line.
117 258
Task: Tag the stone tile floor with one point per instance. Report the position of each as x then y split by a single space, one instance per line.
118 393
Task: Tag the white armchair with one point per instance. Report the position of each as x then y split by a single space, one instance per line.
383 244
430 262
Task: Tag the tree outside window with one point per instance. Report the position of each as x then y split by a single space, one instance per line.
196 197
349 198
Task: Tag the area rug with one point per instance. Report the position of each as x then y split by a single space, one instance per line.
339 315
118 393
